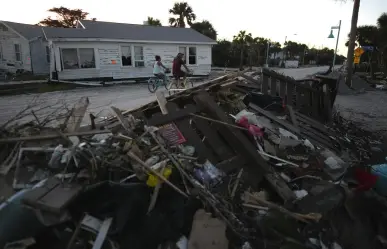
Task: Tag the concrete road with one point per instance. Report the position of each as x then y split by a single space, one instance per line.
101 98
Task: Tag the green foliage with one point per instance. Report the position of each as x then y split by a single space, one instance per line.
153 22
182 12
205 28
65 18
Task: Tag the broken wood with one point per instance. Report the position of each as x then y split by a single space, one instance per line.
77 114
124 122
257 165
52 136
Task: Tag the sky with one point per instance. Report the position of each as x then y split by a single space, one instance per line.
311 20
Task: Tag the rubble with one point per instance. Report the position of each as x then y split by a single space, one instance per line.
233 163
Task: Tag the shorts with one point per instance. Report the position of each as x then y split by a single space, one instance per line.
179 75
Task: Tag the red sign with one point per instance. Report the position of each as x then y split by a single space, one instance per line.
172 134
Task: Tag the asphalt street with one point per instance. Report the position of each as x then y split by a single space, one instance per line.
101 98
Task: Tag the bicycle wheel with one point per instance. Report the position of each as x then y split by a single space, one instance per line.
152 85
168 84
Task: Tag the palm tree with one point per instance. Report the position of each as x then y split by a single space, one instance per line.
382 37
182 12
352 39
205 28
241 40
153 22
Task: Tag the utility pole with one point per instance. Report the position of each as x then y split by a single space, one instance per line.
352 38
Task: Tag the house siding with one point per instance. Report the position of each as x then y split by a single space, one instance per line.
39 62
109 65
8 61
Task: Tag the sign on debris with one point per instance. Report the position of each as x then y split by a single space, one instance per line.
172 134
356 59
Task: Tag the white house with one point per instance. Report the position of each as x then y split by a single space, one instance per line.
23 47
112 51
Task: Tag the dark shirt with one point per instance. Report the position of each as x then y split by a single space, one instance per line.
177 63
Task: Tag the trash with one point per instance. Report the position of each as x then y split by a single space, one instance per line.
300 193
56 157
208 174
380 171
334 166
182 243
264 170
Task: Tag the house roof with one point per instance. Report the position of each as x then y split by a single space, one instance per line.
26 30
123 31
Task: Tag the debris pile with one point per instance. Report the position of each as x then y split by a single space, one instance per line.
222 165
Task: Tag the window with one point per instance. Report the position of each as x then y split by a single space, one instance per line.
18 55
182 50
139 56
48 56
86 58
75 58
126 56
70 58
192 55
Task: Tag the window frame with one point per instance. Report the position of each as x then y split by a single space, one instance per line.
131 56
48 54
134 55
196 55
78 58
185 52
18 53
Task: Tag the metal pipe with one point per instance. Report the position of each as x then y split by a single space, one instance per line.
337 42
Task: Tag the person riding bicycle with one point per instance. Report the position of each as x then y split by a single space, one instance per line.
176 68
159 69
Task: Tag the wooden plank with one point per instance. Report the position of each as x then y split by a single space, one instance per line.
213 139
162 101
273 86
299 101
231 164
282 91
77 114
245 148
306 102
124 122
328 107
52 136
275 119
289 93
292 116
316 105
265 84
171 116
305 119
191 136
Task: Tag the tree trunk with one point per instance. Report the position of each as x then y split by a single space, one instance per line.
351 45
241 62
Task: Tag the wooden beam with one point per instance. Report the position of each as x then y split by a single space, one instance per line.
52 136
257 165
77 114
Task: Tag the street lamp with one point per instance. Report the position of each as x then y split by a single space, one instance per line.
337 42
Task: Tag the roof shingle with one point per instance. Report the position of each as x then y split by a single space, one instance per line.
109 30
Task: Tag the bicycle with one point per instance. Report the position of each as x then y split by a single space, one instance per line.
155 82
184 84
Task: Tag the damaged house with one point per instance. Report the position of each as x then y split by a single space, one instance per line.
23 48
111 51
97 50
